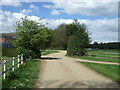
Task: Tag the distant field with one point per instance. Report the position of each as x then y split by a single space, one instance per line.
102 55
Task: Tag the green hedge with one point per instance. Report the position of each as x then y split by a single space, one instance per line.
10 52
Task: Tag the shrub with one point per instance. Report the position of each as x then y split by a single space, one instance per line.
78 39
26 52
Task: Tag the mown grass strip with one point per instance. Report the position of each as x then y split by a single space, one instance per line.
111 71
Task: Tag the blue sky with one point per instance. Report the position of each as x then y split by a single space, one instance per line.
45 12
100 17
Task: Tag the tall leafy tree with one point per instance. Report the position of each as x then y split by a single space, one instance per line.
32 36
60 38
78 39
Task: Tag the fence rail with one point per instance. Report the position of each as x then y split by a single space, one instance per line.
112 56
19 59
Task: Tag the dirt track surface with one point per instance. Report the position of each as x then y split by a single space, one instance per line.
59 71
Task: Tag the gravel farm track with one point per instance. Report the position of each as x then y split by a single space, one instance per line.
60 71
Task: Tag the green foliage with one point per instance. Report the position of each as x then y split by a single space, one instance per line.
10 52
60 39
22 77
78 39
26 52
108 45
32 35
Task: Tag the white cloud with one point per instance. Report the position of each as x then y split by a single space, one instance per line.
14 3
102 30
48 6
55 12
88 8
30 10
34 7
24 11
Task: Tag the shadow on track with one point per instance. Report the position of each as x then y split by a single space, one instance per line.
49 58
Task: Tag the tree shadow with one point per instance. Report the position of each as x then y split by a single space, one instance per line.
49 58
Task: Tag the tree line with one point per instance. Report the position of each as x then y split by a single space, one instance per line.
109 45
33 36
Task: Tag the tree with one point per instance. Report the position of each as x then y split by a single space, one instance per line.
60 39
78 39
32 36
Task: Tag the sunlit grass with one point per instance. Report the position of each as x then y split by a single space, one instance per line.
111 71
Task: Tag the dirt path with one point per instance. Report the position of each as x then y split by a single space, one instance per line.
59 71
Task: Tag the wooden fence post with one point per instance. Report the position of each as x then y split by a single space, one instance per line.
18 60
106 55
4 75
21 58
13 63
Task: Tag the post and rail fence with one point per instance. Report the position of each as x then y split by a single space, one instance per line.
19 61
112 56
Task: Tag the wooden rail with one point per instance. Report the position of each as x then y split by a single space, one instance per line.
19 58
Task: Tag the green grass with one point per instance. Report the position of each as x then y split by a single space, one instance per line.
48 52
103 51
101 55
23 77
107 70
95 59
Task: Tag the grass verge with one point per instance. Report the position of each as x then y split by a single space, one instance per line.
95 59
107 70
23 77
48 52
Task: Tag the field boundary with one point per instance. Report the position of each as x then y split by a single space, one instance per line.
101 62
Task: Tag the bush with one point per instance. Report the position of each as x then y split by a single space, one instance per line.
78 39
25 52
10 52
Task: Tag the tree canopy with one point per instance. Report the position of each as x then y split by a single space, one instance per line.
60 39
78 39
32 36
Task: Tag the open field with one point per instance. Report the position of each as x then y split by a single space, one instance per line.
110 71
102 55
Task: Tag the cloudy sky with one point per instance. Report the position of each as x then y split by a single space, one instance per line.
101 17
